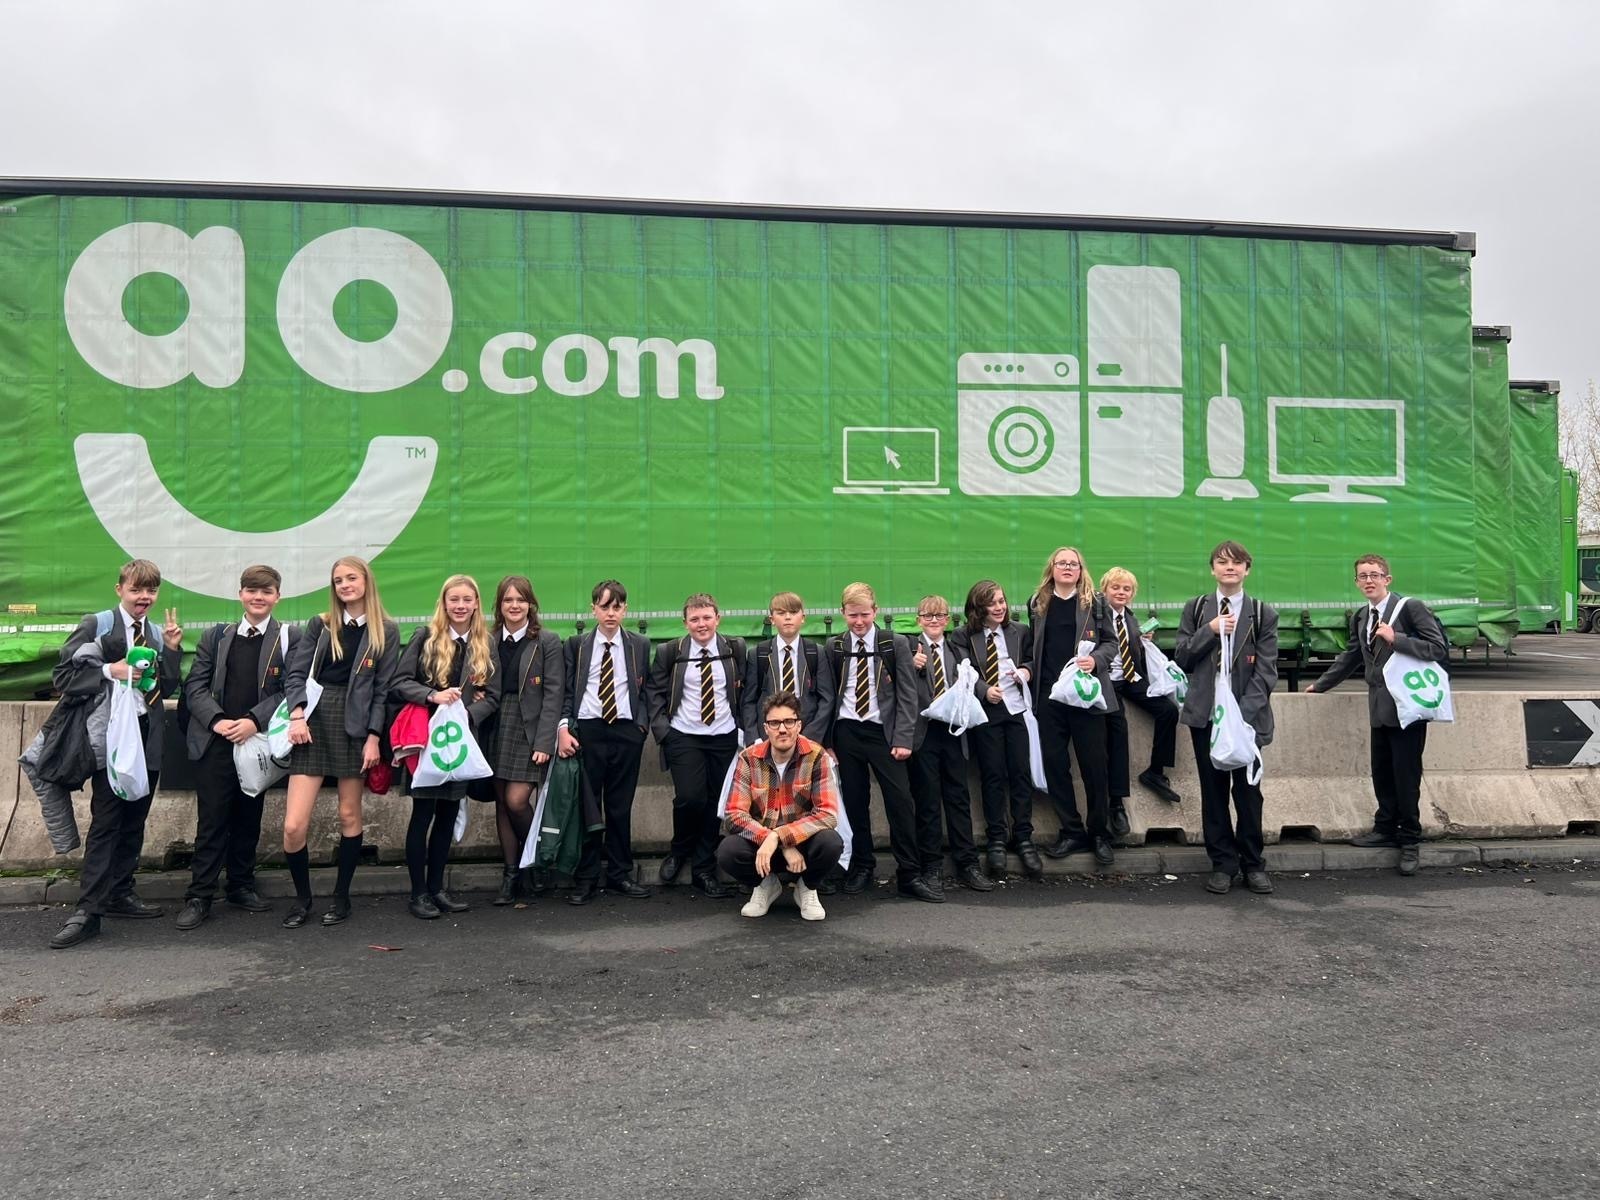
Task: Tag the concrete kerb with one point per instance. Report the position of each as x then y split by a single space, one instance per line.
474 879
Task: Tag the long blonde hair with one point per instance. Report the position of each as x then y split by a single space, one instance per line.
333 619
1047 587
439 654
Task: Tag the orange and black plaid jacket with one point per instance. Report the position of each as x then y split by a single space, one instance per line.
804 802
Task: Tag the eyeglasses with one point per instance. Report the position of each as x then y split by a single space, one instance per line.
1067 566
783 723
944 616
1370 576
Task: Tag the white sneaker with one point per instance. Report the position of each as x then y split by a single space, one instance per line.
806 898
761 898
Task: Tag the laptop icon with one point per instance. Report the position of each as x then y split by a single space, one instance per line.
884 459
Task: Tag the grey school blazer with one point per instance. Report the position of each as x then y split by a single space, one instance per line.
1417 632
367 694
1255 662
209 675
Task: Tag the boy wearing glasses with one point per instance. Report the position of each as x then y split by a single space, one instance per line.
782 814
938 765
1388 623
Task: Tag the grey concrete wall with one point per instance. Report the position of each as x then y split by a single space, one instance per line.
1476 786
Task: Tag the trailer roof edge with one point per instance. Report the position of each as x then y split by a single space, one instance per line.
1444 239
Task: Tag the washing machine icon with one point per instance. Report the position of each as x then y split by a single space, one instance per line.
1018 420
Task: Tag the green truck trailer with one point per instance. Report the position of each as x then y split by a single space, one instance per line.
739 399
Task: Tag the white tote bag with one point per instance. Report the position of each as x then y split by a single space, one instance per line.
256 765
1421 689
125 745
1035 751
1233 740
1165 677
452 754
1079 688
959 707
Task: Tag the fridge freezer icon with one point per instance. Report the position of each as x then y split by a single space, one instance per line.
1027 421
1135 342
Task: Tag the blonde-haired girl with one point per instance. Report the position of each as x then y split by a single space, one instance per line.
448 659
351 650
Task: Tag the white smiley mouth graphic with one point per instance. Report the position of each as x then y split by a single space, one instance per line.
148 521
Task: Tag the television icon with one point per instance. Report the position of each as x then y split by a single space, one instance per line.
883 459
1340 442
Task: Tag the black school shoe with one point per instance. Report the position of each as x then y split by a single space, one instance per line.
249 900
131 906
80 927
1156 781
194 914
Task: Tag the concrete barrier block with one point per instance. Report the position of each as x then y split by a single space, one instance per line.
1327 809
23 889
1321 737
12 785
1496 805
1358 858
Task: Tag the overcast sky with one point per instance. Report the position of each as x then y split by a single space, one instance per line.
1470 116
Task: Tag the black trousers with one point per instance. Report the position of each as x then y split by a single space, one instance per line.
1005 777
1397 780
611 752
1231 844
111 851
698 764
428 835
1164 746
1085 729
938 777
736 855
863 753
227 829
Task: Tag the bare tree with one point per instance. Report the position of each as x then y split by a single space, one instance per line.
1580 450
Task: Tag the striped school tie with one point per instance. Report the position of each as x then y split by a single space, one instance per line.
708 691
608 685
153 696
786 680
863 687
1222 611
939 685
991 664
1128 671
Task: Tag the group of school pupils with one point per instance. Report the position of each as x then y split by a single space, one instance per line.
809 724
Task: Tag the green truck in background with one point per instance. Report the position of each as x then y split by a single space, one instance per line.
742 399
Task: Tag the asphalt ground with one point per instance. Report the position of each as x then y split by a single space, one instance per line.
1538 662
1354 1035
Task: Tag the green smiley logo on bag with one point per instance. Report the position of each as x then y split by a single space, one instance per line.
444 737
1087 688
280 720
1416 681
116 769
1216 726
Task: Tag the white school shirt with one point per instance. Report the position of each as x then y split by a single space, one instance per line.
590 708
847 693
1010 686
687 718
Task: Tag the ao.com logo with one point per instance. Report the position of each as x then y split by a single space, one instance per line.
209 346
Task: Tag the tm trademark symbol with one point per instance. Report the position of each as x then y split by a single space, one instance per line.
416 452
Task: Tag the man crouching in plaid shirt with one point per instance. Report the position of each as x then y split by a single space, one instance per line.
782 814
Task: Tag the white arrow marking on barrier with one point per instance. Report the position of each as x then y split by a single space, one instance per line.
1587 712
148 521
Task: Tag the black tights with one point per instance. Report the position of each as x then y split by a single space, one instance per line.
427 852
